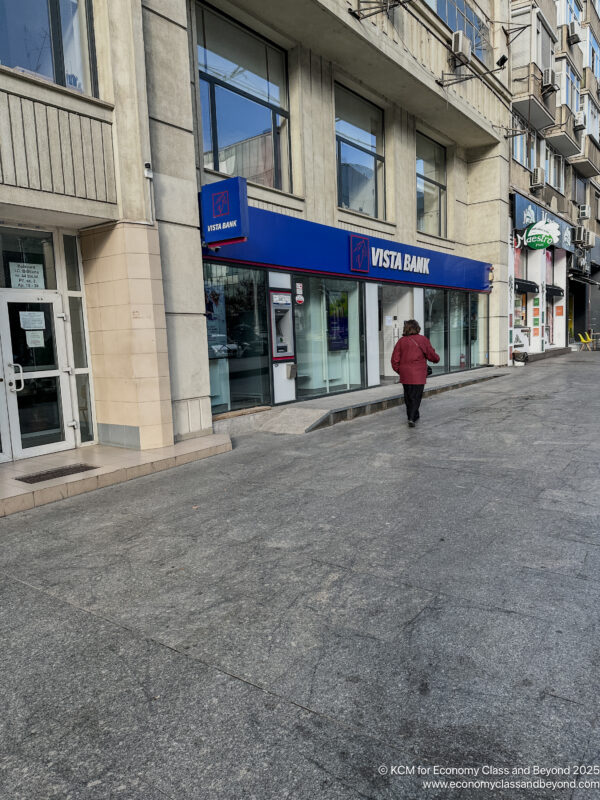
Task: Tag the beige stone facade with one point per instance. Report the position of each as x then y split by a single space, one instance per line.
122 170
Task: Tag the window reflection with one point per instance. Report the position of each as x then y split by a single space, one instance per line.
243 101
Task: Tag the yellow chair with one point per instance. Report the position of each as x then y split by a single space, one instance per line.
585 343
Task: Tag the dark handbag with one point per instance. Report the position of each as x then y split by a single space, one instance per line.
429 369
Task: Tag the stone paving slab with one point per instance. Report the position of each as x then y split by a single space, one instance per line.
285 619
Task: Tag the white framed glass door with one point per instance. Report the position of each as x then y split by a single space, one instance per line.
36 373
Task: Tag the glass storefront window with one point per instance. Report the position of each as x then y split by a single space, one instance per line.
458 330
521 262
329 341
520 310
456 323
27 259
238 337
436 325
478 334
550 322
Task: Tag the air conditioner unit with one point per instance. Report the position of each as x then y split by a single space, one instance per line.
579 234
590 240
461 47
579 123
584 212
538 178
574 33
549 80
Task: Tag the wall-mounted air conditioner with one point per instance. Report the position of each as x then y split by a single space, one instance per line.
574 33
549 81
579 234
579 122
538 178
584 212
461 47
590 240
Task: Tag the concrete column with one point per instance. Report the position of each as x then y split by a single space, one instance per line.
128 337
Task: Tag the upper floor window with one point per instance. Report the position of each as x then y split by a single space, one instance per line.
592 118
51 38
524 144
431 186
244 102
572 10
545 46
359 144
555 169
572 88
593 54
579 189
459 15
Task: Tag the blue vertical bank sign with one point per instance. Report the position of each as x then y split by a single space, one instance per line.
224 207
257 237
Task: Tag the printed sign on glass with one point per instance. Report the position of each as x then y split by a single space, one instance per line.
26 276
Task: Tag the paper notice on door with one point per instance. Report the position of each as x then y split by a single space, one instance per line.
32 320
34 338
26 276
389 321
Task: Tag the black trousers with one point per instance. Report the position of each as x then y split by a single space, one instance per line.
413 394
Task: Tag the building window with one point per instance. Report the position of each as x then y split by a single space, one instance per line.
572 11
593 54
359 145
579 190
592 118
460 16
524 144
431 186
555 169
545 46
52 38
244 102
572 88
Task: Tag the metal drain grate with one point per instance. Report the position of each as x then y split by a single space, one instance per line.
59 472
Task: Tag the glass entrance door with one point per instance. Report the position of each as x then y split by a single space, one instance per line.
36 373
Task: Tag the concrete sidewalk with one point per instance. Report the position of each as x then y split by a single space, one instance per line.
310 415
304 616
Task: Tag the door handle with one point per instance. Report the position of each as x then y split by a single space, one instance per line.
19 376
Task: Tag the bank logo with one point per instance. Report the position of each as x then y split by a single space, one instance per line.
359 254
220 204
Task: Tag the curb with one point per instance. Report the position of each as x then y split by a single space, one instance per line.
348 413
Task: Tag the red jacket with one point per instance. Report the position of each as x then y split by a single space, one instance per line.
410 357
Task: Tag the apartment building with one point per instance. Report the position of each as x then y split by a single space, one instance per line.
364 142
371 144
555 170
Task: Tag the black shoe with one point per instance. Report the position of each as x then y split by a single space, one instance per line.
411 424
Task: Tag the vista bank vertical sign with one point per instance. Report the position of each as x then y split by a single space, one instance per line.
224 212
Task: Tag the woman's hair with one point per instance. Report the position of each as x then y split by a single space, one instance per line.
411 327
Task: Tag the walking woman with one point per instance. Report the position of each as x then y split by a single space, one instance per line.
409 360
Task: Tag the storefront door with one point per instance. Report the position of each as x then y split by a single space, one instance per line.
35 403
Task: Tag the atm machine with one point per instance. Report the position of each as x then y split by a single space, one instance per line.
282 346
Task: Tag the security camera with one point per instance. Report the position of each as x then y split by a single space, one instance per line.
502 61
